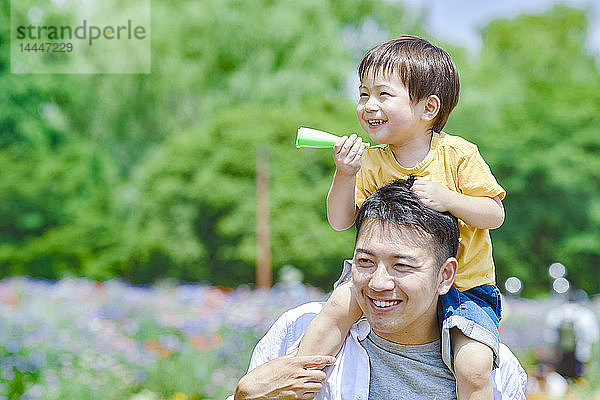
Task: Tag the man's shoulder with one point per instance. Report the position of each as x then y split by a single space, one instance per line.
302 315
306 308
510 380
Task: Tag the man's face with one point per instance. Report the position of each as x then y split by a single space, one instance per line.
397 282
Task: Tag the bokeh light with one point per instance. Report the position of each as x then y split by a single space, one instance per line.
560 285
557 270
513 285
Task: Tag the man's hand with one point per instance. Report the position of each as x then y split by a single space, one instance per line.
284 378
432 194
347 153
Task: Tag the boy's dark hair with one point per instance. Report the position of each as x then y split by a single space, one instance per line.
396 204
424 69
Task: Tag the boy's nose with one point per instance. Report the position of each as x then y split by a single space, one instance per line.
371 105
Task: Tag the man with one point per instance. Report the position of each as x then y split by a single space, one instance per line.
403 261
572 328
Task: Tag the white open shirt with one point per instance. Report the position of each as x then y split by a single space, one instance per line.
348 378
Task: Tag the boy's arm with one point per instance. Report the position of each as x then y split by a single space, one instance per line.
479 212
326 333
341 205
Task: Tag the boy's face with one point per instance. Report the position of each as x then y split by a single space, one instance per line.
386 113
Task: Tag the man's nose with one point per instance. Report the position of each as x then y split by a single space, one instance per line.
381 279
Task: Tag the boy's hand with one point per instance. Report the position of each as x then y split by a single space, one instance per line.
347 153
432 194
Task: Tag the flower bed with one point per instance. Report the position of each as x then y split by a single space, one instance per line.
80 339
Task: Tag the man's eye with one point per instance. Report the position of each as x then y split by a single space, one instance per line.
364 95
384 94
402 266
364 262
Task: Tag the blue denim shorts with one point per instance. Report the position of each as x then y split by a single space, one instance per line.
476 312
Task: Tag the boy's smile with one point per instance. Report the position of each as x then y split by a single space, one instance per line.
373 123
387 114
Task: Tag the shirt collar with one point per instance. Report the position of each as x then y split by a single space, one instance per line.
360 329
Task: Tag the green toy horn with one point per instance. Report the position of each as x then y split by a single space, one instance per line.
315 139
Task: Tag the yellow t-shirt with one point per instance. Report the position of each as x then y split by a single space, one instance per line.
456 164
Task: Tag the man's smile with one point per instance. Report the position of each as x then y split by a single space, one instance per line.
384 304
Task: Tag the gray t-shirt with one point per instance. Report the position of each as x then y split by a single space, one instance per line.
407 371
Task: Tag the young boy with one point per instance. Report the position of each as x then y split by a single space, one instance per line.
408 89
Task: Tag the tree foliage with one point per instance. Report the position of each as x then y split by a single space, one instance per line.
531 103
150 176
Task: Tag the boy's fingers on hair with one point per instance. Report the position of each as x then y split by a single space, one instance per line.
417 185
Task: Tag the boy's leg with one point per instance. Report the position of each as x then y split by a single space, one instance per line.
470 338
473 363
327 332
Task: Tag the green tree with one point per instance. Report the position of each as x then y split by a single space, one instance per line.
531 103
91 163
196 210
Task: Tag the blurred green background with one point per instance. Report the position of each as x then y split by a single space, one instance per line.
152 176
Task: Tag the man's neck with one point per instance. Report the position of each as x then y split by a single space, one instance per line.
427 331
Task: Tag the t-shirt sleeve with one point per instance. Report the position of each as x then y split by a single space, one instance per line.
475 177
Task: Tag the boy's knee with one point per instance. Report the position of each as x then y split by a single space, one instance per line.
473 363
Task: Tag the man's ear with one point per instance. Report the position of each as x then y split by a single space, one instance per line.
447 275
431 108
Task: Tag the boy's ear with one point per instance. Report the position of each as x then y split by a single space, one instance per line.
432 107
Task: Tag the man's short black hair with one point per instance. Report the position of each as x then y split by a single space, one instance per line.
396 204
